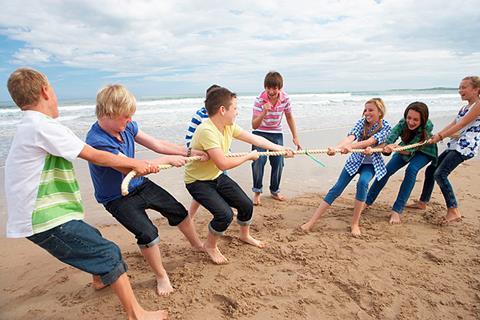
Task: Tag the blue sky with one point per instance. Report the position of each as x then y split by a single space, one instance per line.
162 48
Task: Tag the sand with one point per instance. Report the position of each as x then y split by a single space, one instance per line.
416 270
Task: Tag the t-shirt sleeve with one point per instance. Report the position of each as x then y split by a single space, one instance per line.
208 139
132 127
236 130
59 140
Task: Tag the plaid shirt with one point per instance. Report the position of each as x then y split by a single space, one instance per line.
356 159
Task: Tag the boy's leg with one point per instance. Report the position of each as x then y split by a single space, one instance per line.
205 192
366 174
130 212
160 200
194 205
83 247
258 167
154 259
392 167
124 291
277 163
238 199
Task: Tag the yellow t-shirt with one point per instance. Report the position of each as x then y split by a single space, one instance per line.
206 137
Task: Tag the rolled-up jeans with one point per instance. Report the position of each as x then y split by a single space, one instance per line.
219 196
83 247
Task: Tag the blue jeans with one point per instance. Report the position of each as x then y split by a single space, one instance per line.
83 247
219 196
366 172
276 162
447 162
418 161
130 211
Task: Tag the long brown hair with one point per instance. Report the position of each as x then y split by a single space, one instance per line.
422 109
378 102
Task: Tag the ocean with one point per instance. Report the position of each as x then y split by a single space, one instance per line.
168 118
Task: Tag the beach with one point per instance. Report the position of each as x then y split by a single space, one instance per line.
416 270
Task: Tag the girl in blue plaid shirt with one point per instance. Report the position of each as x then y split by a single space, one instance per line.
369 131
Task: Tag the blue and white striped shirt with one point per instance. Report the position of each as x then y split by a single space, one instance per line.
197 119
356 159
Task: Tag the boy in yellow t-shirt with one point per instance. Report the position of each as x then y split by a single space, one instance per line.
205 180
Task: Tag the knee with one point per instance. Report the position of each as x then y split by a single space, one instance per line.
362 184
246 210
223 220
439 176
147 235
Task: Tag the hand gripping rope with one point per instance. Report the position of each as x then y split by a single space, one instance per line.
131 174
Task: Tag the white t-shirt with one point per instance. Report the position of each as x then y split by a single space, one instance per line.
40 185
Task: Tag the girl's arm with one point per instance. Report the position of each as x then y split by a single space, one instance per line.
453 126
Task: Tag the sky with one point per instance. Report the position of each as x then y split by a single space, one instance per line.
171 48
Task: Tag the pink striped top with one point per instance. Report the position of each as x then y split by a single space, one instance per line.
272 122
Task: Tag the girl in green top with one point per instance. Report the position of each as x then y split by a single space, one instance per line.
414 127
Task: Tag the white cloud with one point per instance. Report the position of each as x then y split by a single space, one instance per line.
335 44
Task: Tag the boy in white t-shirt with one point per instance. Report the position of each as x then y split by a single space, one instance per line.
43 197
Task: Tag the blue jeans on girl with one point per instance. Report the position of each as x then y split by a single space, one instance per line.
418 161
366 172
447 162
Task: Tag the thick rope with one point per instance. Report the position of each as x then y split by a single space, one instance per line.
131 174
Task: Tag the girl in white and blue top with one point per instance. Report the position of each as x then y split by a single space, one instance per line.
463 146
369 131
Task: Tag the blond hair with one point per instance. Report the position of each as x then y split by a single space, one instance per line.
25 86
115 100
378 102
474 80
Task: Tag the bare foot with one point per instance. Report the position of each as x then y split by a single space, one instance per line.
164 288
216 256
278 196
355 229
306 227
254 242
151 315
256 199
97 283
300 231
453 215
418 205
395 218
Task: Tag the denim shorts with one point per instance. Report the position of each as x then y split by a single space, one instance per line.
82 246
130 211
